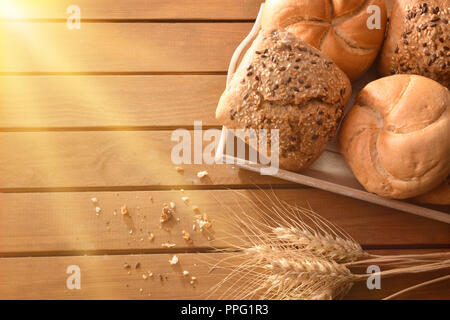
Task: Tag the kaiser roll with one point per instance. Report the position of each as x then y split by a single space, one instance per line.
396 139
338 28
418 40
283 83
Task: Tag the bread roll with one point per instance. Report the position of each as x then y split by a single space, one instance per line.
337 27
418 40
396 139
283 83
439 196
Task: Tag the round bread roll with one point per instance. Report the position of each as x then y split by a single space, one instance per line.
396 139
439 196
338 28
418 40
283 83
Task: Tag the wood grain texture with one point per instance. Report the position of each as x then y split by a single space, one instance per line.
132 9
113 159
109 101
44 223
104 277
119 47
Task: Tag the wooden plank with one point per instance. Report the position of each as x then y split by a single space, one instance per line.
106 159
109 101
131 9
57 223
135 9
119 47
104 277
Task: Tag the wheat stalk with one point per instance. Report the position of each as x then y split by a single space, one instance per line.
289 252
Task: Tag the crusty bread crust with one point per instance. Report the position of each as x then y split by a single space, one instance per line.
338 28
396 138
418 40
284 83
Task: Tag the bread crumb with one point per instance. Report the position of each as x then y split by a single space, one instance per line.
185 199
124 210
166 214
185 273
168 245
151 237
202 174
203 222
186 236
94 200
115 213
174 260
195 209
172 205
98 209
179 169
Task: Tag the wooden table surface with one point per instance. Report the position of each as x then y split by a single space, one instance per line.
89 113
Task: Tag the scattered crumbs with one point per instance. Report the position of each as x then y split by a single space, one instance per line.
185 199
124 210
202 174
94 200
151 237
193 278
166 214
131 231
150 274
172 205
126 266
195 209
98 210
168 245
144 276
185 273
174 260
179 169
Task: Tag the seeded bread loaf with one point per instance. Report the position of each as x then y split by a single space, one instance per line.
284 83
439 196
396 139
418 40
339 28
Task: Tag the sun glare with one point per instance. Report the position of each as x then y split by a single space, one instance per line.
10 9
